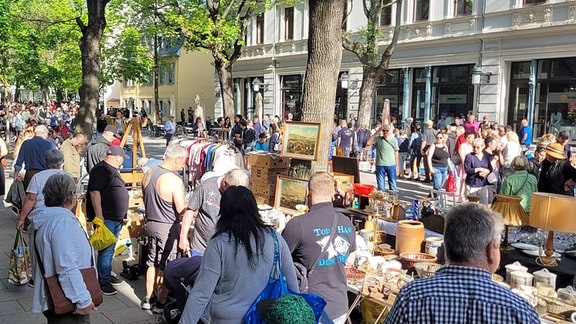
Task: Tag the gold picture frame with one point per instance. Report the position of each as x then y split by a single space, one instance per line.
301 140
289 193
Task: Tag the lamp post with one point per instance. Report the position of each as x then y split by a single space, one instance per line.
344 80
256 85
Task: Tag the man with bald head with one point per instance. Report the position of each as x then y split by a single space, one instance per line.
309 234
32 155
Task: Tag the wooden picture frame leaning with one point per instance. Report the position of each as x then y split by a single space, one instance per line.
301 140
289 193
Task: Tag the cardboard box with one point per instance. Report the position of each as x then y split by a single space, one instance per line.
134 228
344 182
263 189
264 200
268 161
268 176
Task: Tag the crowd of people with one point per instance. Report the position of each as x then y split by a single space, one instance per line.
479 155
229 253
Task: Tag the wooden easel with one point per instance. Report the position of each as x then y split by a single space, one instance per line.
136 175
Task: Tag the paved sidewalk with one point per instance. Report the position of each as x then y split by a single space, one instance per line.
16 302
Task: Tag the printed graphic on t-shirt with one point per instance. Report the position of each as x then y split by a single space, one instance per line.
338 250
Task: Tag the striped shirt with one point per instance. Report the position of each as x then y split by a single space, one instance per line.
457 294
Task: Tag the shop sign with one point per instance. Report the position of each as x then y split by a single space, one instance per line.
561 97
453 99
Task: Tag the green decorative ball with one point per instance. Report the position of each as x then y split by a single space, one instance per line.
289 309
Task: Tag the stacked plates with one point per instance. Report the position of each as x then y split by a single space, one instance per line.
532 250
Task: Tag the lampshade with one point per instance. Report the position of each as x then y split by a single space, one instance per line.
553 212
511 210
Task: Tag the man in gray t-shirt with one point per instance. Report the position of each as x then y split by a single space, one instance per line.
205 204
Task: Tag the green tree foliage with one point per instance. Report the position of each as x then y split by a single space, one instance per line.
365 44
216 26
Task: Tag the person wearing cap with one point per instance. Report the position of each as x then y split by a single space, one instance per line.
107 199
557 174
98 146
169 129
564 139
32 155
387 157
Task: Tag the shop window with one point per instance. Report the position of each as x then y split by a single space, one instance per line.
386 14
170 73
260 28
463 7
455 74
289 23
421 10
520 70
563 68
533 2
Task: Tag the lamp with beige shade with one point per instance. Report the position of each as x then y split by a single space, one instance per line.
552 212
512 212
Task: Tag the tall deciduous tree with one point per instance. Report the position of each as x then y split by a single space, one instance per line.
365 46
216 26
90 41
324 57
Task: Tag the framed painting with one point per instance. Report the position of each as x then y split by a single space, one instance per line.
289 193
301 140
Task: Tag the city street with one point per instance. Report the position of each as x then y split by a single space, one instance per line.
15 302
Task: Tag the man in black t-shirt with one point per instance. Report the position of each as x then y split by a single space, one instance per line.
307 235
107 199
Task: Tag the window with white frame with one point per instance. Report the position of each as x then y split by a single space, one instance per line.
289 23
386 14
170 71
463 7
260 28
421 10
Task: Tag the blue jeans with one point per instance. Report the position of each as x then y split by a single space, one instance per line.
386 171
439 177
104 262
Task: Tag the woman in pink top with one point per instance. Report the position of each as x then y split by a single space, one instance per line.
471 125
464 149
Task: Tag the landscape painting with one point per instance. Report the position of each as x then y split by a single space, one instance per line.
289 193
301 140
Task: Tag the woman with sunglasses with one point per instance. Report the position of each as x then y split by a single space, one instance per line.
477 165
438 160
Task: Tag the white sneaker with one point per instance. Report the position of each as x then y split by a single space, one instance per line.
146 304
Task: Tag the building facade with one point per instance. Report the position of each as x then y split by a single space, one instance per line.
183 75
525 51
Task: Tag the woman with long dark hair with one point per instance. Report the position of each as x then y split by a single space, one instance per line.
237 262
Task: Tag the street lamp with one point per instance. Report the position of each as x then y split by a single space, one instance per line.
256 84
478 77
344 79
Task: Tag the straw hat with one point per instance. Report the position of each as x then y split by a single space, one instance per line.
555 150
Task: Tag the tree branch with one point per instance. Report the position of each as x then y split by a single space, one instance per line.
81 24
390 48
354 47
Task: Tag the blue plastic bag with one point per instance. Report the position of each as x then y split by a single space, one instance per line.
277 287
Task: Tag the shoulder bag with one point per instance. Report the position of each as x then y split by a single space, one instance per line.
276 288
522 186
303 273
58 303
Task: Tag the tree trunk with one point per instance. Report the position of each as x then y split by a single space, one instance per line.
323 66
367 91
224 71
90 48
59 96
